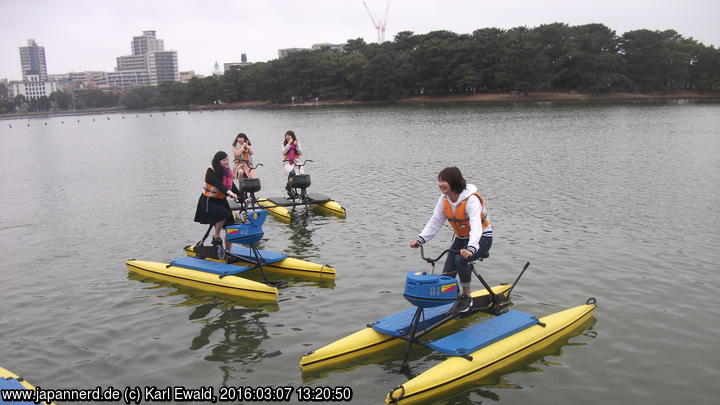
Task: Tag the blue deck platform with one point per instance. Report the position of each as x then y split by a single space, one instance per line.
267 256
483 334
208 266
399 324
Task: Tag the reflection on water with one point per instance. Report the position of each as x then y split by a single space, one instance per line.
470 398
232 328
241 331
300 235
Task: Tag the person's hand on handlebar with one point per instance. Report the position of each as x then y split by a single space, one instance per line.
465 253
414 244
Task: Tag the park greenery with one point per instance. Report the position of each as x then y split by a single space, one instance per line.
588 58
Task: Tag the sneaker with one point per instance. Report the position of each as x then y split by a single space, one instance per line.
217 241
464 303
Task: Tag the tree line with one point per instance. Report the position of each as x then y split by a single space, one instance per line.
553 57
60 100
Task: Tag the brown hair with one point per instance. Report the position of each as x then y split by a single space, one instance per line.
292 134
454 178
241 135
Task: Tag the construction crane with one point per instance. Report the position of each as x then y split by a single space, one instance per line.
381 24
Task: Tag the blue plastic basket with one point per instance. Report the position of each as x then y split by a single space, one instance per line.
250 232
430 290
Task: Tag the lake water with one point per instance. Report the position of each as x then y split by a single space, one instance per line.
614 201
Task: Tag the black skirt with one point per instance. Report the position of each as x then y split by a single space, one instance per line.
213 210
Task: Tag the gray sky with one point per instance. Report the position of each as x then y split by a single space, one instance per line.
81 35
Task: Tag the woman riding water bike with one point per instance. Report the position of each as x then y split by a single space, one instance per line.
466 210
291 152
212 206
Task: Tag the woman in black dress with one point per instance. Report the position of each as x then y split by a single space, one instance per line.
212 207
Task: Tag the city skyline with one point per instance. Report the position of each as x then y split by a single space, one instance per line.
221 32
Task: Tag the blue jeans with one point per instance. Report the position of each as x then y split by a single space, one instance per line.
455 262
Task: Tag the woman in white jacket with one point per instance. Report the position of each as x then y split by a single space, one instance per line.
466 210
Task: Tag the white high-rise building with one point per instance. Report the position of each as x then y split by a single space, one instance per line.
147 42
35 83
148 56
131 62
163 67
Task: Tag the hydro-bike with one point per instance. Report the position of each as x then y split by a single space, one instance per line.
298 196
475 351
208 268
217 269
250 216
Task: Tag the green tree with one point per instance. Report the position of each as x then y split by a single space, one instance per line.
436 57
405 74
487 54
353 66
592 62
171 94
680 54
524 66
327 78
378 82
139 98
657 60
232 86
20 101
94 98
357 45
555 39
204 90
7 105
705 69
262 82
405 41
61 100
39 104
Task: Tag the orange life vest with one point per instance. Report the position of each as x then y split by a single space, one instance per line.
459 221
211 191
245 156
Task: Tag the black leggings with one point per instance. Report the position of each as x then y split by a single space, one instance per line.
455 262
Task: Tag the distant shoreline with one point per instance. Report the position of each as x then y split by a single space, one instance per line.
477 98
482 97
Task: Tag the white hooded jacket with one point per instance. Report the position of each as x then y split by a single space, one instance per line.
473 208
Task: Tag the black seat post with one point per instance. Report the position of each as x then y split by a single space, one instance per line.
493 296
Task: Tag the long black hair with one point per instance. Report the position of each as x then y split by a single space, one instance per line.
217 167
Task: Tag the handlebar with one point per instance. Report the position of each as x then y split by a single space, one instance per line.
298 164
248 163
433 261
